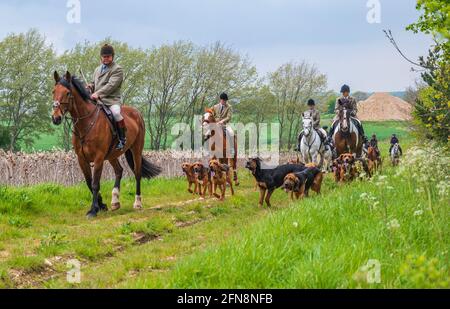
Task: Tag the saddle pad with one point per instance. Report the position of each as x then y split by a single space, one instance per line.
109 115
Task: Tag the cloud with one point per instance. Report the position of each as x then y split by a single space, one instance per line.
333 34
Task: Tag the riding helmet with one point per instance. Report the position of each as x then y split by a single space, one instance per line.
224 96
311 102
345 88
107 50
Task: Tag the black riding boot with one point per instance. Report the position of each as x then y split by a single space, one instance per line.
121 131
361 132
329 140
299 142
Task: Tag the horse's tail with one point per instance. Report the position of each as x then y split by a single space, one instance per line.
149 170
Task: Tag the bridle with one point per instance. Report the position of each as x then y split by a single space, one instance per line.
343 115
310 130
71 106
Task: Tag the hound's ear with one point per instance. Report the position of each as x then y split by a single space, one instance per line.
56 76
68 77
296 184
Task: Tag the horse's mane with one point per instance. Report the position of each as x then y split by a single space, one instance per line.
80 86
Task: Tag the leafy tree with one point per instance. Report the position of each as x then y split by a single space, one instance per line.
293 84
26 62
433 103
257 107
360 96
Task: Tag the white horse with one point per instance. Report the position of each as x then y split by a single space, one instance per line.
311 145
395 154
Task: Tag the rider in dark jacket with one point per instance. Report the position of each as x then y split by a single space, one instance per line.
374 143
348 102
394 140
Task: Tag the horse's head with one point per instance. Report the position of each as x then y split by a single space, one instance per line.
62 97
207 120
344 119
307 125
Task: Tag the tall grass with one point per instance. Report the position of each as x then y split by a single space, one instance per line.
399 219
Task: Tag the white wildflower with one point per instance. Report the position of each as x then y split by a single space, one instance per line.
393 224
418 213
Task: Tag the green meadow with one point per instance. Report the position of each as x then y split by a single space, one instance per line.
397 219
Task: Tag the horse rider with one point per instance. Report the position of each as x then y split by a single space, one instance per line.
348 102
108 78
314 114
394 140
374 144
223 111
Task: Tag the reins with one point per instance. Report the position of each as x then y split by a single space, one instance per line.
76 120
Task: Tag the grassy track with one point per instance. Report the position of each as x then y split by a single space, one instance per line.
180 241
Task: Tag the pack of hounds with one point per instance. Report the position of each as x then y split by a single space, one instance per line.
296 178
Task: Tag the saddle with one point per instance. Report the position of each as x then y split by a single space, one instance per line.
109 115
354 120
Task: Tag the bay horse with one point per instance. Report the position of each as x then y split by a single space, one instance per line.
213 134
346 136
93 140
375 162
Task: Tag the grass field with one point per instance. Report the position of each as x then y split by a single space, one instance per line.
180 241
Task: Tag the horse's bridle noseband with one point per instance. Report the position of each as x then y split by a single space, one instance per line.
75 120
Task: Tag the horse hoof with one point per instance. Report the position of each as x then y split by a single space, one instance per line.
103 207
115 206
137 207
91 215
236 183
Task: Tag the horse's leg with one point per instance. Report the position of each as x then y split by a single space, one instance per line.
98 168
86 169
115 196
314 159
137 158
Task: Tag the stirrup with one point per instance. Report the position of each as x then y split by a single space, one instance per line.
120 145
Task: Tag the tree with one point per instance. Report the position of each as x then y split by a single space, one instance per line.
433 102
215 69
257 107
166 73
26 63
85 57
293 84
360 96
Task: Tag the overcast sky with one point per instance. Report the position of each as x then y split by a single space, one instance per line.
333 34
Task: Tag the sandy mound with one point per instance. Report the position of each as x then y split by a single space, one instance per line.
382 107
